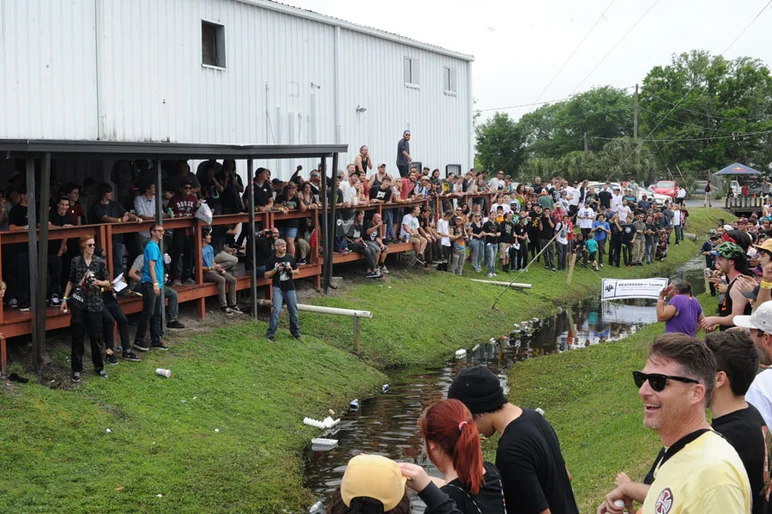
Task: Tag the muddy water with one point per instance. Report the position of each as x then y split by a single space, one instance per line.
386 424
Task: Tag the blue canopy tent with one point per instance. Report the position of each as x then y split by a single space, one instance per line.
738 169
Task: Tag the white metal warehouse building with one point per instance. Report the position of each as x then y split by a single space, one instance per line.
232 72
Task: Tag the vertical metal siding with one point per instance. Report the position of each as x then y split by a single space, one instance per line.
154 88
47 59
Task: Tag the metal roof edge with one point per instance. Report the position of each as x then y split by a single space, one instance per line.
337 22
168 150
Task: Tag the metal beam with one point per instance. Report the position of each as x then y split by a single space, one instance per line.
42 262
136 150
321 232
251 240
159 219
33 258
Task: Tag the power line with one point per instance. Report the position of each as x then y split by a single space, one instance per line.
532 104
616 45
698 113
575 50
710 138
676 105
690 124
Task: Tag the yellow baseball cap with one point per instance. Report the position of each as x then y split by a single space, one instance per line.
373 476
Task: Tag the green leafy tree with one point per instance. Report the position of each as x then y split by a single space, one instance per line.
500 144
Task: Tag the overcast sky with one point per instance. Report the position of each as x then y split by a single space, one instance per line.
520 45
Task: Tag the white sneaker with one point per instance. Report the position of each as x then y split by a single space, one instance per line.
384 270
490 275
55 300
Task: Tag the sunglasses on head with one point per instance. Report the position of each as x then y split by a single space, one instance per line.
657 381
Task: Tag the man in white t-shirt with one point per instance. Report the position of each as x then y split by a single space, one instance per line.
411 234
677 225
349 190
572 195
585 218
497 182
624 211
443 230
616 199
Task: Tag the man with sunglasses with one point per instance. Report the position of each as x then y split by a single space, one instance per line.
697 470
150 288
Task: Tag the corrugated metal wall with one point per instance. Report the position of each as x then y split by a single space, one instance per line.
278 86
47 62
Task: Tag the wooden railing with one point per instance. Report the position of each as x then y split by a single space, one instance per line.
103 234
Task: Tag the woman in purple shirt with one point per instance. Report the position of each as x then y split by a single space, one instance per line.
683 313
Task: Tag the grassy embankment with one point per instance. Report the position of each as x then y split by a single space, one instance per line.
423 317
55 453
56 456
592 403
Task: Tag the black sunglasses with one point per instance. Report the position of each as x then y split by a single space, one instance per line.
657 381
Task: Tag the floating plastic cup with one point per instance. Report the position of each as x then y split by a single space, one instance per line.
354 405
164 372
385 388
461 354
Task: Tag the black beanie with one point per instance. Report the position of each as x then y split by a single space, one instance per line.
478 389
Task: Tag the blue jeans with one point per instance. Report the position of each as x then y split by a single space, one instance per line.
490 257
478 248
679 233
118 252
173 309
340 243
288 232
647 252
291 299
388 218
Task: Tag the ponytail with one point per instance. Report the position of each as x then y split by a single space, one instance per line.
449 425
467 457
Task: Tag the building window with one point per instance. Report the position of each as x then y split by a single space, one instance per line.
449 80
212 44
411 71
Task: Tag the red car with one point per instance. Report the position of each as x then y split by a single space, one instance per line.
665 187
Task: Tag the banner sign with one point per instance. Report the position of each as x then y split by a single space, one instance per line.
344 222
614 289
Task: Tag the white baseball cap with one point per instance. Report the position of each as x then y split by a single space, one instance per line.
761 319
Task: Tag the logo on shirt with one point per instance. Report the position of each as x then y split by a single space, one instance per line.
664 502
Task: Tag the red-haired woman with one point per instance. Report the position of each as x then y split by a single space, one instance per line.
453 445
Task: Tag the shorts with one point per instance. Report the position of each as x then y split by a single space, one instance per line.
288 232
592 256
416 239
503 247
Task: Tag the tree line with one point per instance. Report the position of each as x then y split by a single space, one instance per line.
696 115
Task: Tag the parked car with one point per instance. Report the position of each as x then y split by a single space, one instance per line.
659 199
735 187
665 187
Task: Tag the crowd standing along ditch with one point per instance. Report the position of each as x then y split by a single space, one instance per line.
226 432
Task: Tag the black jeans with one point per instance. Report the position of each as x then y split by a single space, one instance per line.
151 313
182 256
81 322
112 314
521 256
615 252
22 276
55 264
627 251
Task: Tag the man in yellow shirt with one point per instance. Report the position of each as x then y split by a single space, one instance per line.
697 471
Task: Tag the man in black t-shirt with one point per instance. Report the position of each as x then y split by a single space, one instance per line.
263 194
533 472
281 268
490 230
546 234
520 246
506 238
57 249
738 421
533 231
604 198
17 222
374 239
628 238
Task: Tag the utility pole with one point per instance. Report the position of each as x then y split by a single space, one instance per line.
635 114
586 148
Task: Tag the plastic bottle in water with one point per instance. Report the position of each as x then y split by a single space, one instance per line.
316 508
354 405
